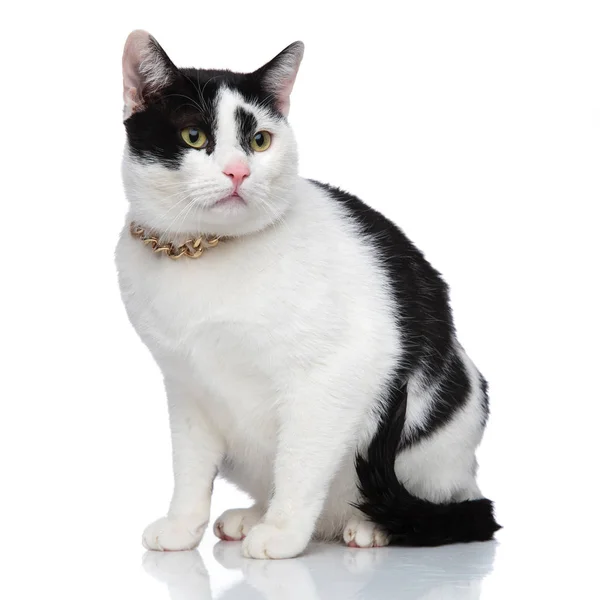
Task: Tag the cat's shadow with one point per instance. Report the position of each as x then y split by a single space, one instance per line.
328 572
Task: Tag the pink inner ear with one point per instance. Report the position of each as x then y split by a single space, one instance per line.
136 47
281 75
283 98
132 102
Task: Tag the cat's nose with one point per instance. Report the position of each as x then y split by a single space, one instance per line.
237 171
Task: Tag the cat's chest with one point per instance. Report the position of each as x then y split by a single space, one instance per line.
224 304
226 327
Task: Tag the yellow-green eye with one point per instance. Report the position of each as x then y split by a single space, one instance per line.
194 137
260 141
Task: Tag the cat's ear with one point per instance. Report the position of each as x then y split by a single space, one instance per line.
279 74
146 70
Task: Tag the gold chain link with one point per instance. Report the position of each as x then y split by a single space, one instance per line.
192 248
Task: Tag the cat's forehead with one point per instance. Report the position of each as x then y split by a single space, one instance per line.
232 107
229 106
213 91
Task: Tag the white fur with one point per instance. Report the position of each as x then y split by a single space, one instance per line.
276 348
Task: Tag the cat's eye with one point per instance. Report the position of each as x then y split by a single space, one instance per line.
194 137
260 141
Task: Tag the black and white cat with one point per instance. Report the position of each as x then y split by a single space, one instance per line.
310 356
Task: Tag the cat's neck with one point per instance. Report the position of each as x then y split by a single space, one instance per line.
146 231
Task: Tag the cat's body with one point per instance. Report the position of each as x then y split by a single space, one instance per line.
294 345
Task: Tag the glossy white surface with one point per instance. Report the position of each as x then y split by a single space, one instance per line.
99 556
327 571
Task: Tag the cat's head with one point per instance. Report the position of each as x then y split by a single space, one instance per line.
208 151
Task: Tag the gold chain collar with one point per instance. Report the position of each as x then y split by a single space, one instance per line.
192 248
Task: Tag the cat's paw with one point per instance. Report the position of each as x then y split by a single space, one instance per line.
234 525
360 533
170 533
269 541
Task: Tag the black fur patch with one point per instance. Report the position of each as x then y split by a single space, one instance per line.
247 125
452 391
425 318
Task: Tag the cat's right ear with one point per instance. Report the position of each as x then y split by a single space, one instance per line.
146 70
278 75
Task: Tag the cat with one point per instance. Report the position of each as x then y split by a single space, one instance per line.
307 346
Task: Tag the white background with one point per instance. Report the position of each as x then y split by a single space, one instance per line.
474 125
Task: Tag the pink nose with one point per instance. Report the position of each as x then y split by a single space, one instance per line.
237 171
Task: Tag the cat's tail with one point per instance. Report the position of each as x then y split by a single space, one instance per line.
409 520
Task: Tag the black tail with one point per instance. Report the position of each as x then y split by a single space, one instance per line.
409 520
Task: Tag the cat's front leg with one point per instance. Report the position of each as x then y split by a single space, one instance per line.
197 450
318 426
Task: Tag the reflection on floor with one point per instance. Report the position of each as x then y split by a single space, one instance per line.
330 572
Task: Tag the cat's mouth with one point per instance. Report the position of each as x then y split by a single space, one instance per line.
231 200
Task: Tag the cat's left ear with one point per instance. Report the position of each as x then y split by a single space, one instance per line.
278 75
146 70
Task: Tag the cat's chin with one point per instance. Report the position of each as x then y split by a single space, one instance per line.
234 200
237 215
234 229
229 204
228 216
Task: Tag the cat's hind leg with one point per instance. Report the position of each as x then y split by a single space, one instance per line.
441 466
426 493
234 525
